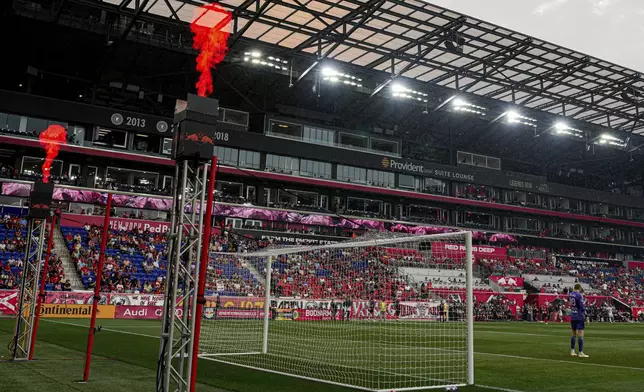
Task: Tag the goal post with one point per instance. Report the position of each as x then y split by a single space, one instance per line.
378 314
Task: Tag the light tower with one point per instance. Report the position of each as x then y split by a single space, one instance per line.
193 191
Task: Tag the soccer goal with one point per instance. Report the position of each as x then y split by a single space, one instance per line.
379 314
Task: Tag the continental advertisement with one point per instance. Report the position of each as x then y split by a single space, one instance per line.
76 311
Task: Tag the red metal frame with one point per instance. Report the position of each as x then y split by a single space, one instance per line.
98 271
205 247
41 291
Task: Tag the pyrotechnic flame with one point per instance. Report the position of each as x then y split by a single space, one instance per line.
211 40
51 139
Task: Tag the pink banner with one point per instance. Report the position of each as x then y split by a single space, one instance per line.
446 249
632 265
8 302
507 281
78 220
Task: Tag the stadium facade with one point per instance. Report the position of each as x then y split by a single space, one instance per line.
285 163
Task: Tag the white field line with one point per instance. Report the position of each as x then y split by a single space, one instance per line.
571 362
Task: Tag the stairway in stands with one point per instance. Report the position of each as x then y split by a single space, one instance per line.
60 249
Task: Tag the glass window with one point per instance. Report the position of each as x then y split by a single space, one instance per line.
405 181
13 122
115 176
358 141
110 137
146 143
284 129
311 168
235 117
249 159
318 135
352 174
435 186
166 148
36 125
282 164
479 160
384 145
32 166
226 155
380 178
147 181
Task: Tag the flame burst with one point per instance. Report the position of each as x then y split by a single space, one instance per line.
211 41
51 139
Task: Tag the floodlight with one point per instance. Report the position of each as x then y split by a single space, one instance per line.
400 91
332 75
515 118
464 106
561 128
256 58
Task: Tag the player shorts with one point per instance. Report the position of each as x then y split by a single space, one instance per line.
577 325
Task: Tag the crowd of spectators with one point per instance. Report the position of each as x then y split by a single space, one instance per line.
134 262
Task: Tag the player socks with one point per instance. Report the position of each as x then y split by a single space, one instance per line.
572 343
581 344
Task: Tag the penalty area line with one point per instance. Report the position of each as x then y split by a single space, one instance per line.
497 388
104 329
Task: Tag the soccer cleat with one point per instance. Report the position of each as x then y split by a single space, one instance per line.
573 353
582 355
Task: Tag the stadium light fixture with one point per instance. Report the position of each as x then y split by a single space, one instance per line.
611 140
561 128
257 58
461 105
331 75
513 117
400 91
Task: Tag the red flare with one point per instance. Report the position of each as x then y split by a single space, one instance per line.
211 41
51 139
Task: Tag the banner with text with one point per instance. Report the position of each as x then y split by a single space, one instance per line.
446 249
75 311
79 220
632 265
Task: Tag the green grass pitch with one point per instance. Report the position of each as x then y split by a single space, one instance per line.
511 357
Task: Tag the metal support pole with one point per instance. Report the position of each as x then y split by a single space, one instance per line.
203 264
470 308
41 292
21 344
267 303
177 335
98 271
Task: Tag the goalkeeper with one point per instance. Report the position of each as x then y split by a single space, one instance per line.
577 320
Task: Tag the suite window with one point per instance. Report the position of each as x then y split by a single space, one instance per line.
226 155
309 168
110 138
381 178
166 147
249 159
32 166
406 182
9 122
364 205
145 179
146 143
384 145
36 125
230 188
435 186
235 117
318 135
352 174
282 164
116 176
285 129
356 141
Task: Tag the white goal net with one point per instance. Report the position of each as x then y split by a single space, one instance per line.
379 315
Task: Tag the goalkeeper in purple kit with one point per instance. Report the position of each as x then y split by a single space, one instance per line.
577 320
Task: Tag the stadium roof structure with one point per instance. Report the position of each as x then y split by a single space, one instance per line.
415 41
